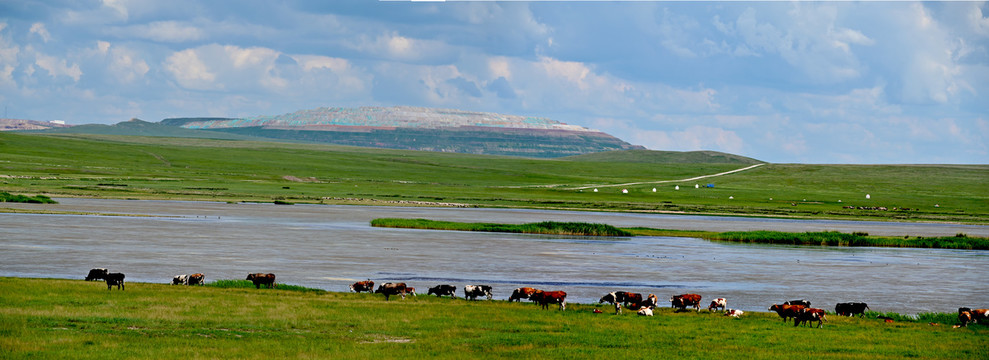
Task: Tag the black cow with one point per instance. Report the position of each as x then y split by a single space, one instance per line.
268 280
471 292
851 308
114 279
96 274
442 290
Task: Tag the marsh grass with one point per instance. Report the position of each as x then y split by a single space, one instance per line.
545 227
37 199
44 318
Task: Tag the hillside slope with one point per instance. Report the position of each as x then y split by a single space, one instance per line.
665 157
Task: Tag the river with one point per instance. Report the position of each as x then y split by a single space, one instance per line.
330 247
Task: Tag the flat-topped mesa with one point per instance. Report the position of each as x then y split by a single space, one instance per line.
372 117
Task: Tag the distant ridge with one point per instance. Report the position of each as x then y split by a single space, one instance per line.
666 157
138 127
418 128
19 124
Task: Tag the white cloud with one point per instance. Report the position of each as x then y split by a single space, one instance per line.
164 31
57 67
190 71
126 65
39 28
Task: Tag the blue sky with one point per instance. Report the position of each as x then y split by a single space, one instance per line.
785 82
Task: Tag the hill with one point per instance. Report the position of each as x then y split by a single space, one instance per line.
18 124
665 157
138 127
205 169
416 128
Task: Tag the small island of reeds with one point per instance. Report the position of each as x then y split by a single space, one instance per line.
545 227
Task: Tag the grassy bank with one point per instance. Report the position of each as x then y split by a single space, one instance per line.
822 238
545 227
42 318
128 167
37 199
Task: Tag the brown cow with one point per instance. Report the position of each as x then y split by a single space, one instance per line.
268 280
681 302
964 317
362 286
544 298
521 293
389 289
808 315
632 300
197 279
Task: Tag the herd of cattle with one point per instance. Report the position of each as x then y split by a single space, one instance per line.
799 310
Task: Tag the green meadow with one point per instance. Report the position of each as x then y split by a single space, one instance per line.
58 319
132 167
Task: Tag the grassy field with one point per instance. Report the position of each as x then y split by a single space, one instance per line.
235 170
45 318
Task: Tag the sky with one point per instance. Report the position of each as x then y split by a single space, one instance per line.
888 82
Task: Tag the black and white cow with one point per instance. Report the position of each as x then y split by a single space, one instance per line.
471 292
180 279
443 290
798 302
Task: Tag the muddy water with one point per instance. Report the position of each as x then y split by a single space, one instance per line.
330 247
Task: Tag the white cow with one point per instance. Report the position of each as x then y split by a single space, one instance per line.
718 303
645 311
734 313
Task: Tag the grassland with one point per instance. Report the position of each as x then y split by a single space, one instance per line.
45 318
105 166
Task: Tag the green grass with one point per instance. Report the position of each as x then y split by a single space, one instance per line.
126 167
545 227
56 319
37 199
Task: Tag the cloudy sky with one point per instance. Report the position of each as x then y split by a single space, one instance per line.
804 82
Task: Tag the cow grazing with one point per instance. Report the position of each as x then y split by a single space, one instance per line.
787 311
199 279
644 311
803 302
521 293
807 315
268 280
544 298
389 289
851 308
471 292
411 291
614 297
964 317
681 302
180 279
97 274
362 286
734 313
721 303
114 279
442 290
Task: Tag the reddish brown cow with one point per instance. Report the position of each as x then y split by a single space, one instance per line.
787 311
808 315
268 280
362 286
544 298
521 293
980 314
681 302
964 317
632 300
